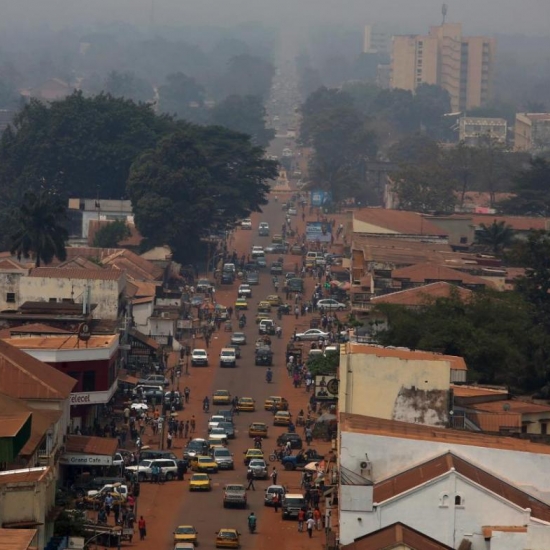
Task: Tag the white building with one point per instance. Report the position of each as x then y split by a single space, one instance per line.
473 130
102 287
98 209
452 486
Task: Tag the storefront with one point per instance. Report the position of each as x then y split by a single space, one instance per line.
143 352
85 407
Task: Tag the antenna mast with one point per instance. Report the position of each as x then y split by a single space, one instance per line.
444 13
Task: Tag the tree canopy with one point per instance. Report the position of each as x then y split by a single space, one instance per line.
111 234
129 86
183 97
244 114
196 181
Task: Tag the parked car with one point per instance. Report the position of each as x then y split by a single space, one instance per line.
154 380
245 291
199 358
313 334
143 471
331 305
271 491
246 223
295 440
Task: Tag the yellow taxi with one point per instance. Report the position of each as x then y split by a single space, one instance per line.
251 454
257 429
264 306
274 300
228 538
200 482
277 238
185 533
221 397
280 402
246 404
282 418
264 315
241 303
203 463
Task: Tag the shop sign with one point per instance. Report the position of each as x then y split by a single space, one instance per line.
76 459
93 397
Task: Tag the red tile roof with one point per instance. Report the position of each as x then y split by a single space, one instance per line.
79 262
444 464
9 264
476 391
397 535
27 378
91 445
397 221
136 267
511 405
495 422
457 363
76 273
422 295
430 272
404 430
518 223
37 328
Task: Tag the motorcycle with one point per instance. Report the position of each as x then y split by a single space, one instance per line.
206 406
241 323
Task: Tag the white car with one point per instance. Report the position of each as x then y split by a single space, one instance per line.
245 291
199 357
331 304
314 334
259 468
215 419
246 224
292 211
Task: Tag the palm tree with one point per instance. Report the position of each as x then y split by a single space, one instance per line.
40 233
497 236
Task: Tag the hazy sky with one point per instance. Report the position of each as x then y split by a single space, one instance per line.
478 16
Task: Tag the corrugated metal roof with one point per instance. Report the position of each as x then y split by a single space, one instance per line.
404 430
422 295
37 328
425 272
91 445
12 422
16 539
400 221
511 405
29 475
76 273
27 378
62 342
442 465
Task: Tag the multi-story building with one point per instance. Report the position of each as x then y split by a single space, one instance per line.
473 130
462 65
376 40
532 132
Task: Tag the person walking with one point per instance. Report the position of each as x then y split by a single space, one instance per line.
317 518
250 479
193 424
309 436
274 475
186 429
301 519
276 502
187 393
142 526
310 524
169 438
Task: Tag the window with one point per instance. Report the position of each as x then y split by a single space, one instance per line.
459 500
88 381
463 240
543 428
10 297
443 500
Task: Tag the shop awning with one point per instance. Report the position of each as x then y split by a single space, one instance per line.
81 450
126 378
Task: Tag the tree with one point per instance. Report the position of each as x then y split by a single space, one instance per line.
497 236
531 189
398 107
244 114
246 75
83 145
414 149
39 231
461 163
320 365
426 188
197 180
111 234
128 86
363 94
183 97
431 102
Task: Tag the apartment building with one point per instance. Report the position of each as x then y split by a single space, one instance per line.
532 132
462 65
376 40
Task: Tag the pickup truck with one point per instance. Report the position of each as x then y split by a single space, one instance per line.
234 495
298 461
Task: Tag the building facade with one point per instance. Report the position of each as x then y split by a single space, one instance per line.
376 40
463 66
532 132
473 130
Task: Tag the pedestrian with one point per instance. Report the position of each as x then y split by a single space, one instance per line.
301 519
108 504
297 312
155 473
276 502
186 429
310 524
317 518
250 479
142 526
309 436
180 429
169 438
193 424
187 393
274 475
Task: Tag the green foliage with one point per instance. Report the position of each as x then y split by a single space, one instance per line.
341 139
111 234
39 232
246 75
183 97
428 188
246 115
414 149
70 524
128 86
497 236
197 180
496 334
532 191
320 364
83 146
9 97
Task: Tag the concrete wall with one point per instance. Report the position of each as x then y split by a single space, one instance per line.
141 314
104 293
431 509
393 388
364 227
9 284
